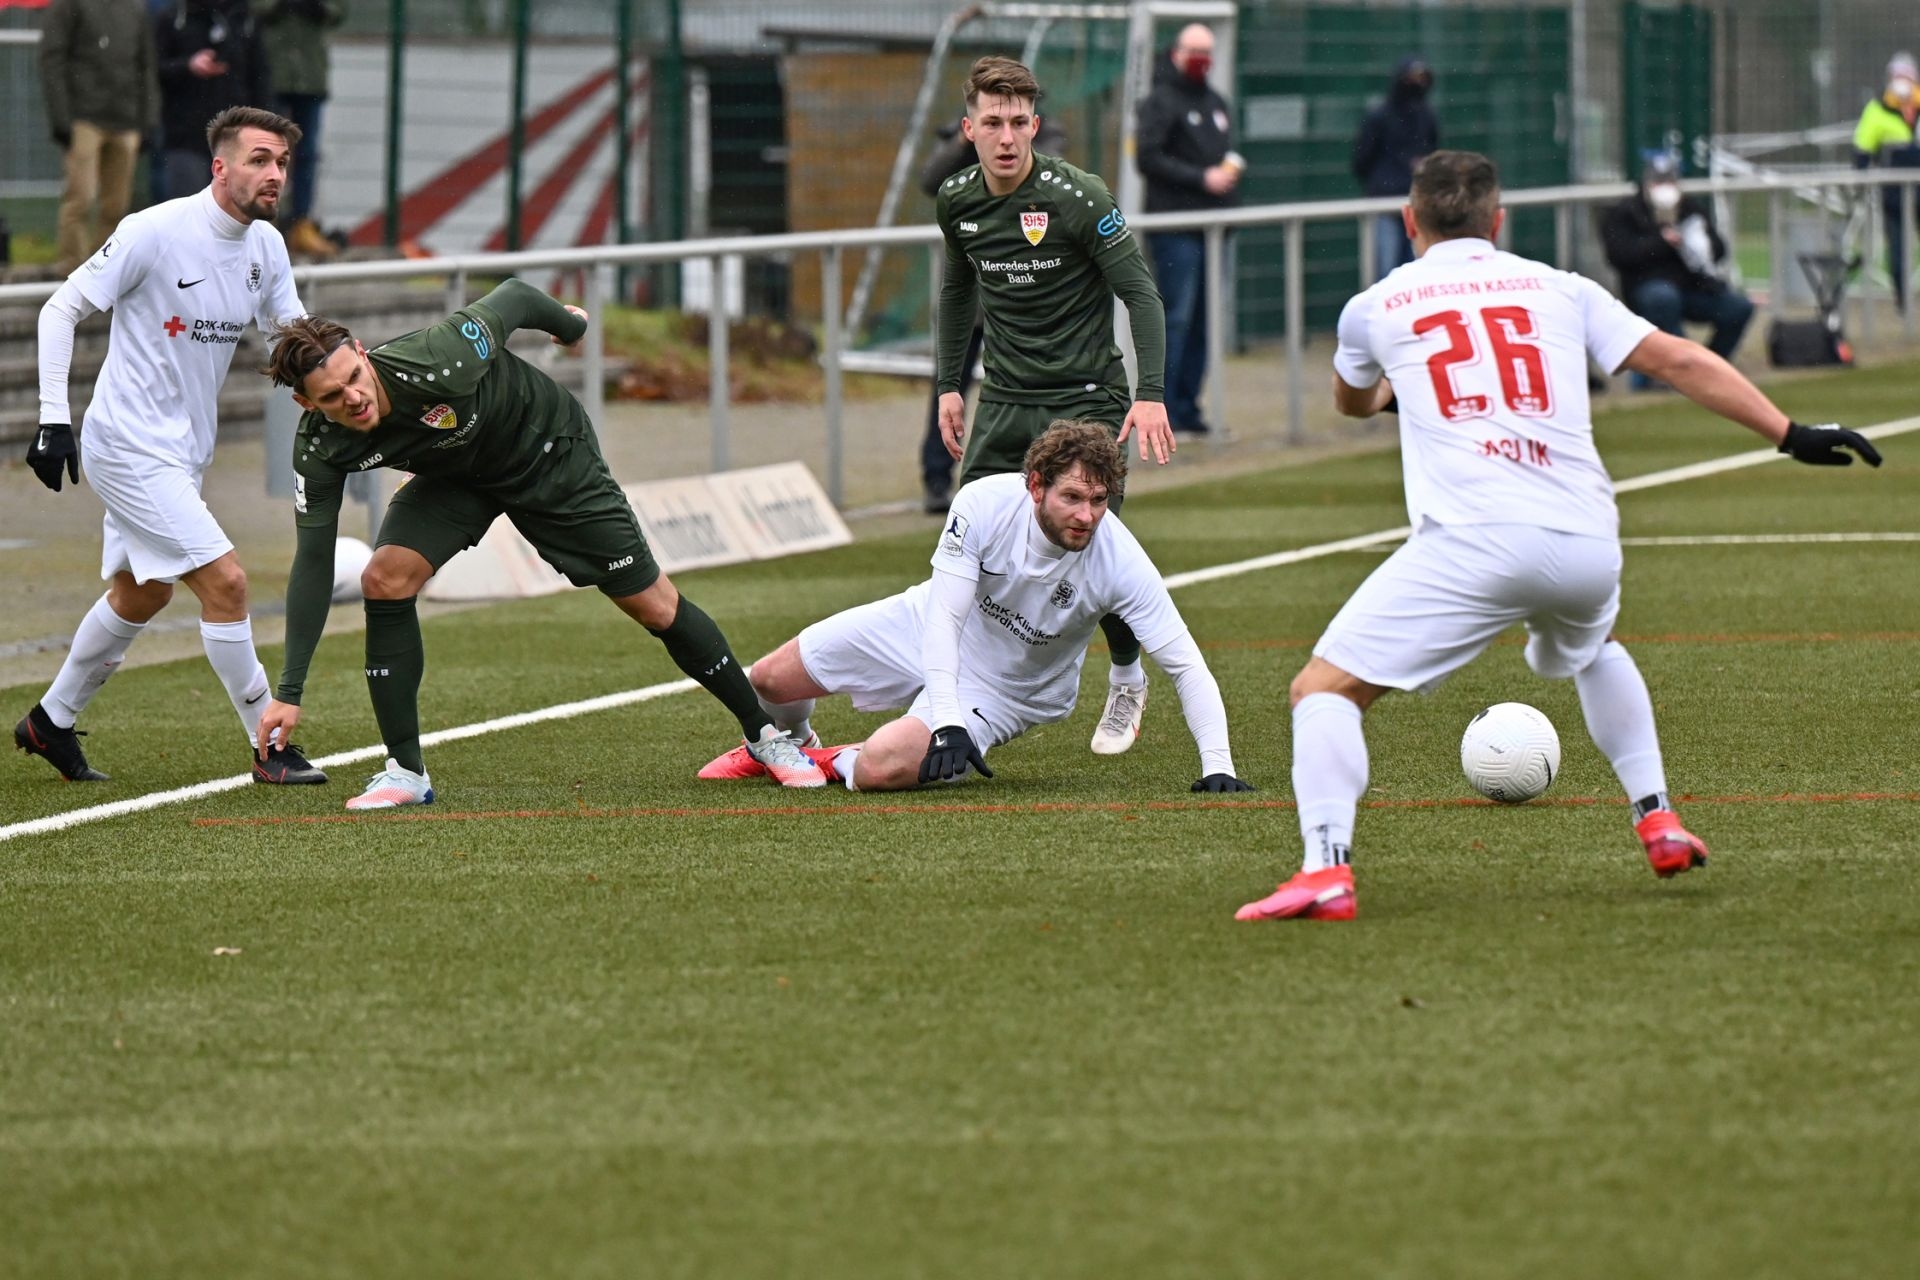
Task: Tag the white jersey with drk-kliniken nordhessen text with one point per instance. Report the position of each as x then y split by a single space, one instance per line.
1487 353
1036 605
183 280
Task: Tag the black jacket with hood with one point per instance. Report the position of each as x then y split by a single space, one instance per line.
188 102
1182 129
1394 136
1636 249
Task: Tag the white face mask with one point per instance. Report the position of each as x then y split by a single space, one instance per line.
1900 87
1664 197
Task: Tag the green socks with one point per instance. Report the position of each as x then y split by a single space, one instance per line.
395 662
696 646
1123 647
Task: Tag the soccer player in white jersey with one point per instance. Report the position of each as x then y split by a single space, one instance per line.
1512 511
992 644
183 280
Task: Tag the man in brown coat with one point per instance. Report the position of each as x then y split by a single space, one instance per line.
97 70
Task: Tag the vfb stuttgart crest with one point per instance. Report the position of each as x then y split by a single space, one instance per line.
1035 225
440 418
1062 596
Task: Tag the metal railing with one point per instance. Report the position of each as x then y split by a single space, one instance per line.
597 266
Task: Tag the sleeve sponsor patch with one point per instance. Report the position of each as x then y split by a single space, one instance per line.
953 541
300 494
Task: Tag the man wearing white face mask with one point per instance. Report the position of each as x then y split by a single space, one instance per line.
1668 254
1889 134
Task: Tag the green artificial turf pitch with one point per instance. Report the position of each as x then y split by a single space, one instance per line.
634 1024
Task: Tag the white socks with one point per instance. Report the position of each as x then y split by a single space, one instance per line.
1133 675
1329 776
229 647
99 644
789 717
1619 713
843 765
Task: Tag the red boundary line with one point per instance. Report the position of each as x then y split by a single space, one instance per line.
1063 806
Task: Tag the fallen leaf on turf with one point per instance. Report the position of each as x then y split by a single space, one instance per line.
1412 1002
592 878
226 951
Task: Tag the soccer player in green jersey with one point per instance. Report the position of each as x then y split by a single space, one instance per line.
1042 247
483 433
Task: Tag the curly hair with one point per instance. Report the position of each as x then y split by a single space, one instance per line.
1068 443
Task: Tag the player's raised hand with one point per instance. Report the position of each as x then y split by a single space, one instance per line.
953 422
276 724
1221 783
1150 418
1820 446
560 342
51 452
950 754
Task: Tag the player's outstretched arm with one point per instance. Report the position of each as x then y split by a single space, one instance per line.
1712 383
309 600
519 305
1361 402
1206 713
52 449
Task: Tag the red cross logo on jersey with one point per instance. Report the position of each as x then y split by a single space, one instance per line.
174 327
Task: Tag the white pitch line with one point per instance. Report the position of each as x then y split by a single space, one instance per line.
1764 539
567 710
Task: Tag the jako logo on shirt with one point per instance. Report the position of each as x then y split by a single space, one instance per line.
1035 226
1111 223
471 331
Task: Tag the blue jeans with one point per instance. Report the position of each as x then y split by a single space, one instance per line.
1391 248
304 110
1667 304
1898 265
1180 269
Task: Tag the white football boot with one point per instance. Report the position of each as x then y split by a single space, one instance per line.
1120 722
393 787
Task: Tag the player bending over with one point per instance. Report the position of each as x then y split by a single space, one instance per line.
991 645
484 433
1513 513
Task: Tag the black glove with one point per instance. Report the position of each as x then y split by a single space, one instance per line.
949 754
62 138
53 445
1219 783
1820 446
1392 405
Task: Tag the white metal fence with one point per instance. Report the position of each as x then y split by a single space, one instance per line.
597 265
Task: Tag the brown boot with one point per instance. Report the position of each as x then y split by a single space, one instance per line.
307 239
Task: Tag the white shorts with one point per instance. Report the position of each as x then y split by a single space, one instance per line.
1445 595
156 526
871 652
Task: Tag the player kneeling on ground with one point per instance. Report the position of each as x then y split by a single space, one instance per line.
1513 513
484 433
991 645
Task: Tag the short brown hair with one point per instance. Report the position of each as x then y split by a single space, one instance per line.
301 346
999 77
226 126
1455 194
1068 443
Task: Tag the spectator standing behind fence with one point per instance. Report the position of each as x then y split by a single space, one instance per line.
1887 135
955 153
210 58
1393 137
295 35
1184 146
96 69
1667 251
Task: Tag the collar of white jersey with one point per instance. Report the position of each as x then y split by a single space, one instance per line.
1459 249
219 221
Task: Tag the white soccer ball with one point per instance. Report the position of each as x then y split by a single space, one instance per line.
350 559
1510 752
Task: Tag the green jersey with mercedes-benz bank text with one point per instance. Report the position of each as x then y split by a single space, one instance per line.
1045 263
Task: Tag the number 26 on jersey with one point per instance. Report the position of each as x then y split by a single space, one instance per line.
1505 333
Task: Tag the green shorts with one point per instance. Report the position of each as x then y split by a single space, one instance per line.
574 515
1001 432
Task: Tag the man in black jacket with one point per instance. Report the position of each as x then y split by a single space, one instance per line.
1183 145
1393 137
1666 249
210 58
